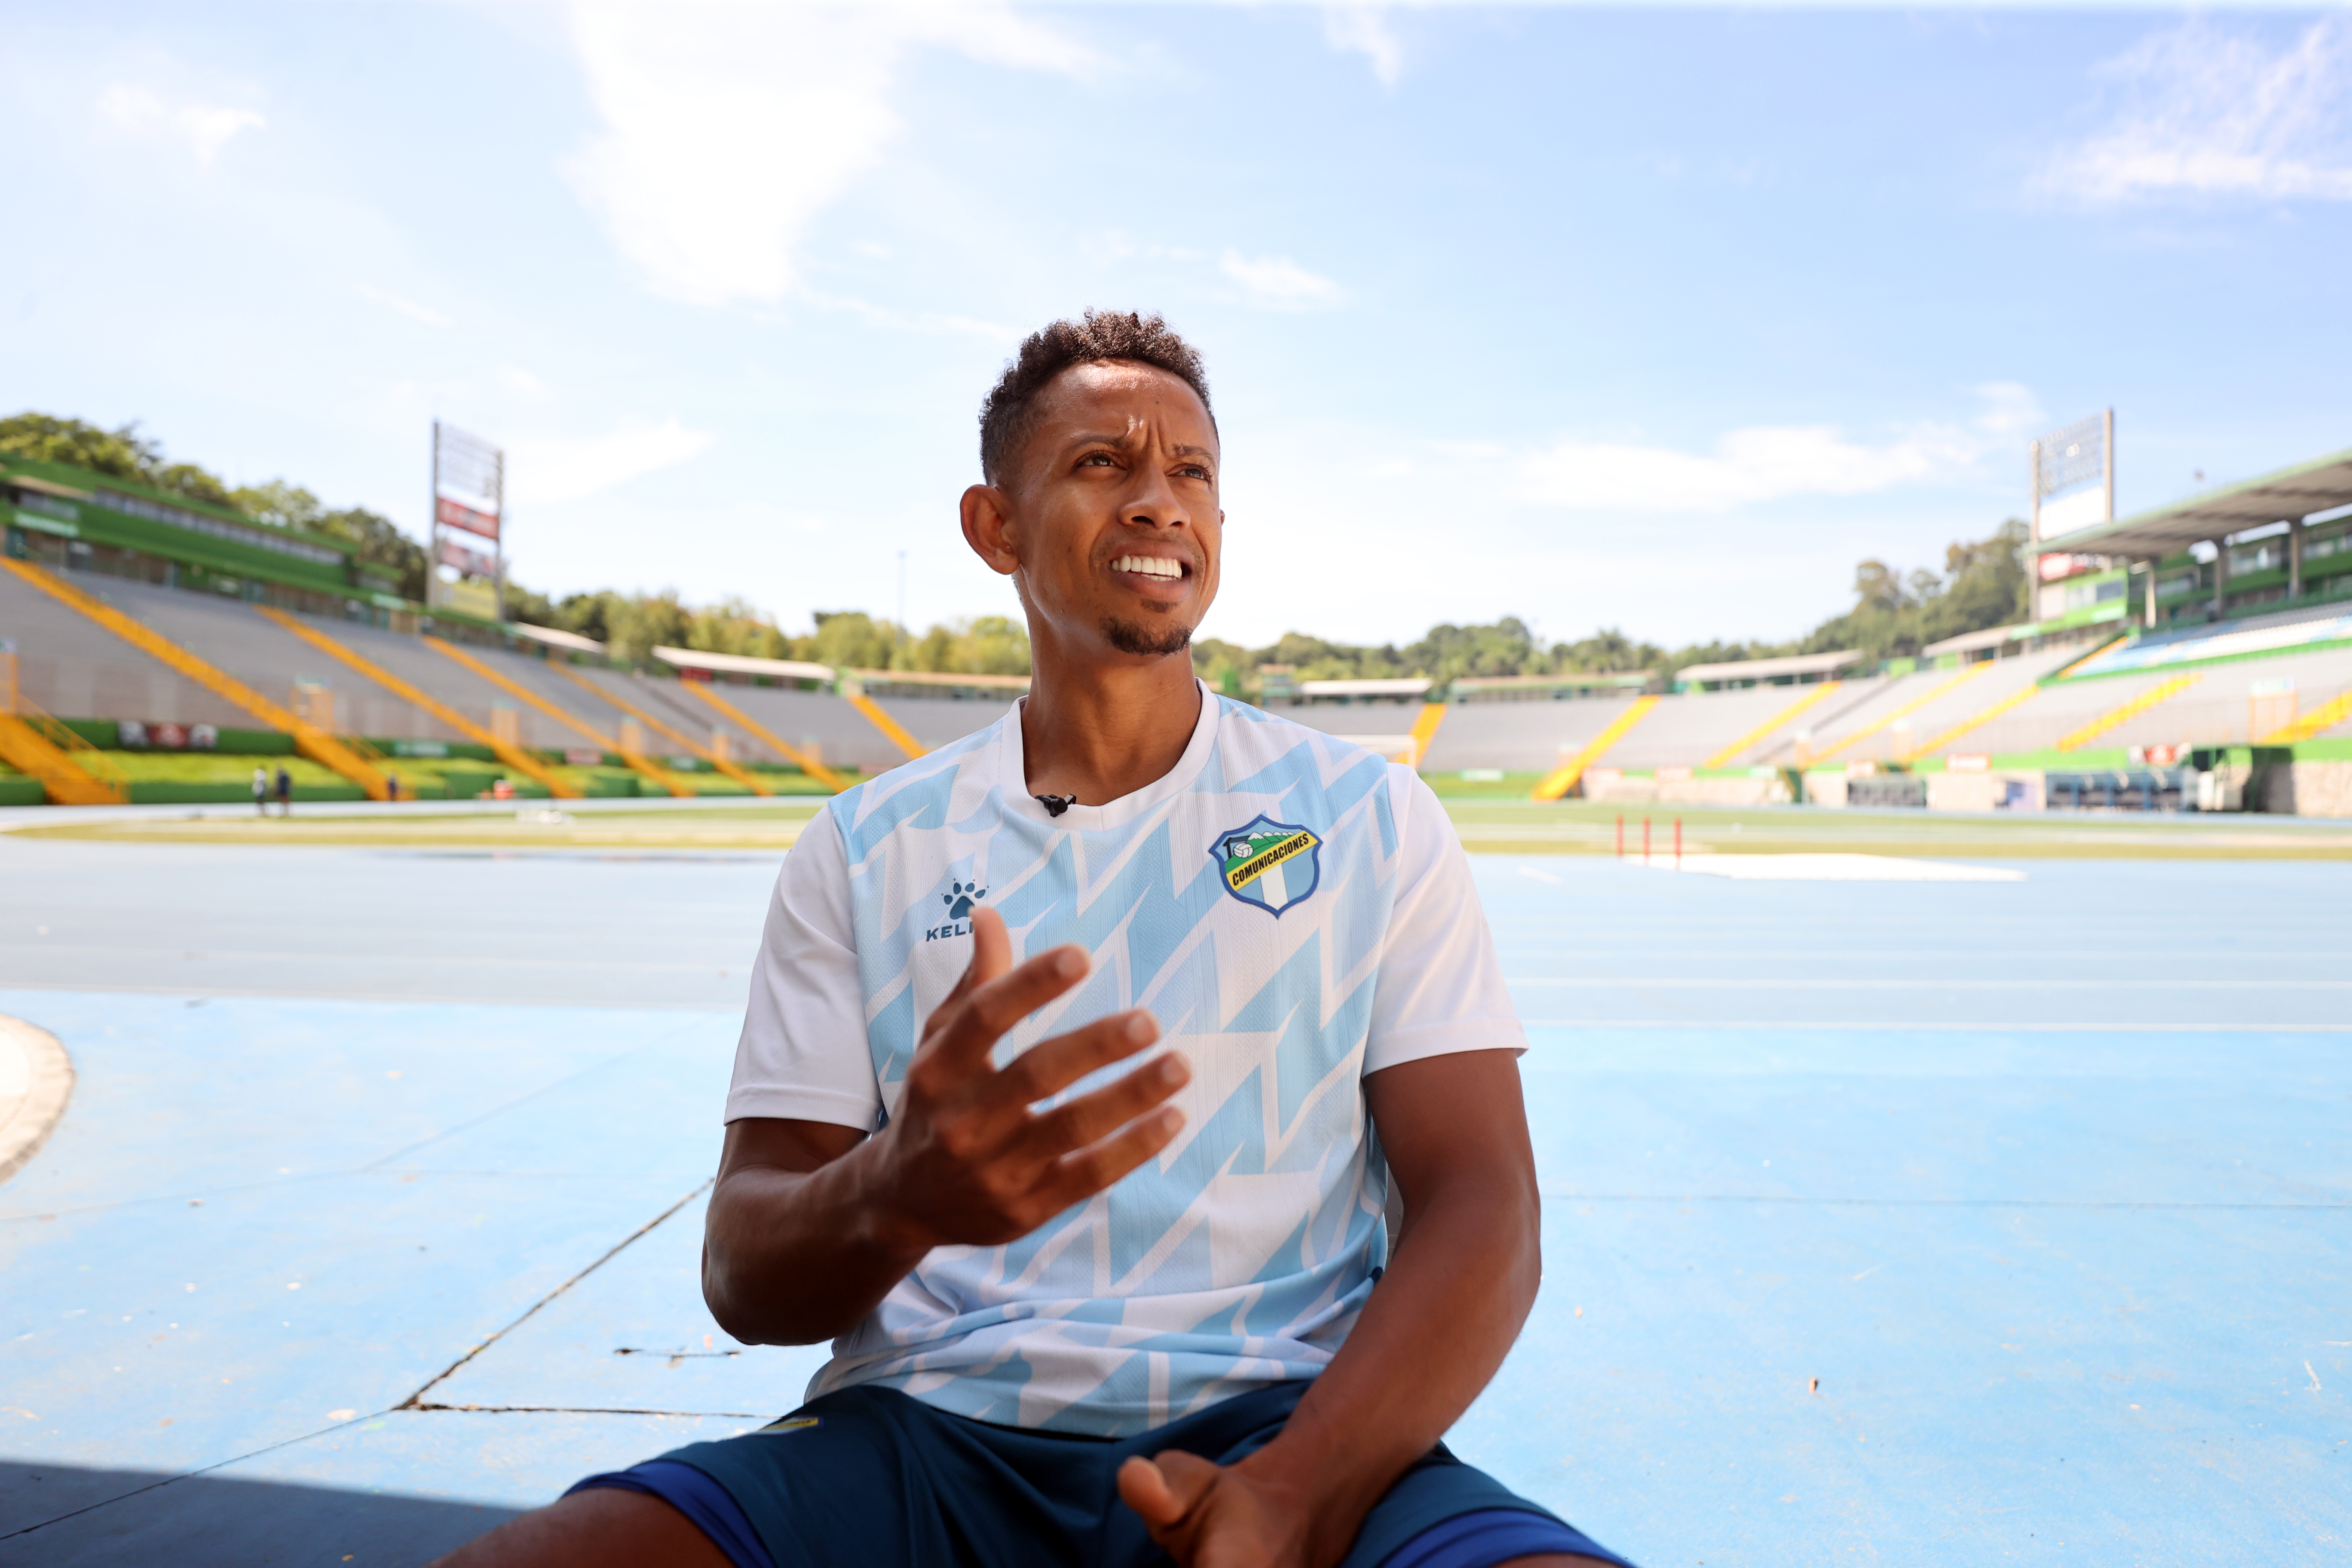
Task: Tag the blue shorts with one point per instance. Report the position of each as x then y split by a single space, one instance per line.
871 1477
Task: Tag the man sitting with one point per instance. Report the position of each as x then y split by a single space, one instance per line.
1080 1060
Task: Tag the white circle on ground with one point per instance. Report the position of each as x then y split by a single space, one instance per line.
36 1078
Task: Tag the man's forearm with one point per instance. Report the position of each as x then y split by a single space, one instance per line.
794 1257
1438 1325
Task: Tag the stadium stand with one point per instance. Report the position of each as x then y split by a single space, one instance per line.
318 743
74 668
505 749
1983 717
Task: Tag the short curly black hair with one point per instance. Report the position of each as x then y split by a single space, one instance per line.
1094 337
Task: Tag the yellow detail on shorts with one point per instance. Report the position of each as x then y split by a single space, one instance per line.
1258 865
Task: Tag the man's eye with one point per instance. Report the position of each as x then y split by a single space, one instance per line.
1194 471
1100 460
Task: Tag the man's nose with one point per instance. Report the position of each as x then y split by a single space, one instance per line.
1155 504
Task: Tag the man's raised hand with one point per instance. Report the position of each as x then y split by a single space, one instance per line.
964 1159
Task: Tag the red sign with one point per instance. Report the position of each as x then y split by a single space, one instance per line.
2053 566
457 514
467 559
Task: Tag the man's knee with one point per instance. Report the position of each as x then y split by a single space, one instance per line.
593 1529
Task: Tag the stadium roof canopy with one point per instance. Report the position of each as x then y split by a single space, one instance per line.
742 664
1582 679
1976 642
1407 686
2291 494
1794 667
571 642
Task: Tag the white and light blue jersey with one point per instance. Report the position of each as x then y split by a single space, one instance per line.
1296 913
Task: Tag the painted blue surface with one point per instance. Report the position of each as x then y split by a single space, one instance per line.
2048 1184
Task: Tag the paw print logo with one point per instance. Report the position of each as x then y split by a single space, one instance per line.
961 901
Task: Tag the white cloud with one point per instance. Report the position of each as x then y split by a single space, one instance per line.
729 127
408 308
203 129
1278 283
1767 462
545 469
1364 30
2212 114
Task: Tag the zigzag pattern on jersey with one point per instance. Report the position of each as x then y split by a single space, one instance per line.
1146 1274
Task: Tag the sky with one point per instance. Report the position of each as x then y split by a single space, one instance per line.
1656 319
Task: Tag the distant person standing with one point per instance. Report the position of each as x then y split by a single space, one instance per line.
261 791
392 787
285 792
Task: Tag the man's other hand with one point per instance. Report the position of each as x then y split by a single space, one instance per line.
965 1161
1206 1515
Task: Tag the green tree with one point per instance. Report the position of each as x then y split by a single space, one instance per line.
851 639
123 452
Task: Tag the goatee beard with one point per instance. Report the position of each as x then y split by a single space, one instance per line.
1145 642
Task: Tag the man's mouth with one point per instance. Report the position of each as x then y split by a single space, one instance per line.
1162 566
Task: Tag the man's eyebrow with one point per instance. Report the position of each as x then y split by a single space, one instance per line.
1121 438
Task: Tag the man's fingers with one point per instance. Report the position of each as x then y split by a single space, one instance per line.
991 948
1073 1178
1144 1488
970 1028
1164 1487
992 953
1109 1108
1049 1067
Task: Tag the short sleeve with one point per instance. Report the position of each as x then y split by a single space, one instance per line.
802 1056
1440 988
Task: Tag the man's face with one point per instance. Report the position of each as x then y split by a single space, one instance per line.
1110 518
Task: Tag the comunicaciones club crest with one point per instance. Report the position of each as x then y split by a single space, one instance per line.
1273 865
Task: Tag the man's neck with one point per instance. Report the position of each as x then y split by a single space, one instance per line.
1096 731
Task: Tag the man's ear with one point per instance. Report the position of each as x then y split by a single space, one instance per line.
988 529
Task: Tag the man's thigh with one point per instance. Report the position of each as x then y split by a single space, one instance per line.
600 1529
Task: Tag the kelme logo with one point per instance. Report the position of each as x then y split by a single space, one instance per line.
1273 865
960 898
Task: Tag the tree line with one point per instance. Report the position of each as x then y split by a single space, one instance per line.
1983 584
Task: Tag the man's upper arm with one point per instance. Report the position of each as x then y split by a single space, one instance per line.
1440 986
802 1056
1456 1117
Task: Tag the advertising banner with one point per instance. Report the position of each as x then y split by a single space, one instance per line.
473 520
467 559
469 485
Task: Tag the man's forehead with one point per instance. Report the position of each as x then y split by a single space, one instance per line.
1115 400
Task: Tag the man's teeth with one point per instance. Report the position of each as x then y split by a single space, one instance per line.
1149 565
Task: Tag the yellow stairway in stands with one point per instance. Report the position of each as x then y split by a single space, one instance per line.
2327 716
734 770
2163 691
1562 779
1424 730
1976 721
1938 689
1820 693
854 692
70 769
514 756
309 738
670 781
760 732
